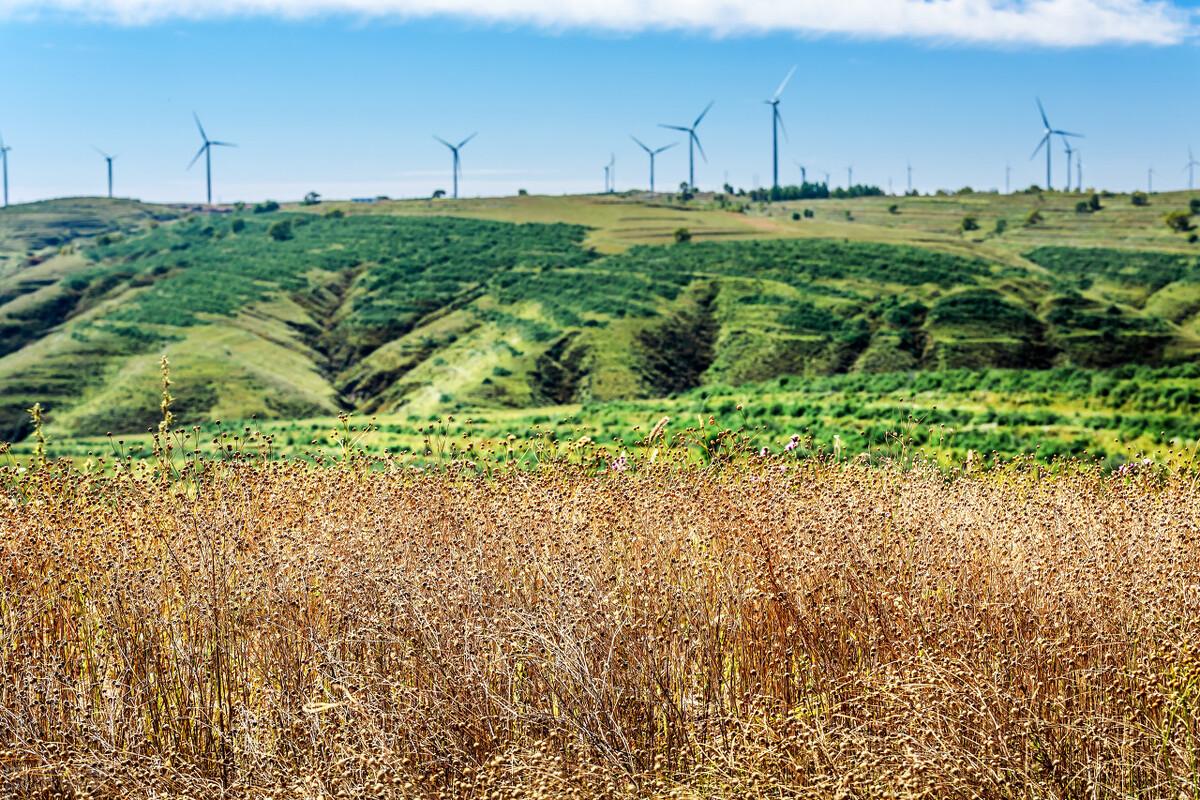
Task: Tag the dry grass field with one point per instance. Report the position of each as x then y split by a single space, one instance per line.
250 628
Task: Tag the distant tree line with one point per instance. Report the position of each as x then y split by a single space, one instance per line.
812 191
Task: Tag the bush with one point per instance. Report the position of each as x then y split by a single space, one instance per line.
682 235
1083 207
1140 199
1179 221
1094 202
1033 218
238 225
281 230
893 209
808 213
334 213
1194 206
795 216
970 223
1001 226
266 208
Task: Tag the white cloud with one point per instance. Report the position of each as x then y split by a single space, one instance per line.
1055 23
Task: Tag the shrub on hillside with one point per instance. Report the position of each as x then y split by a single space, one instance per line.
1179 221
1140 199
281 230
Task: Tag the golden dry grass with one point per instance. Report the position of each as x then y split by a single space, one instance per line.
817 630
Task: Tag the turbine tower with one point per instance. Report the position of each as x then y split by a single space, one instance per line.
1078 171
693 143
1150 181
652 153
908 169
1070 158
849 177
4 161
612 172
803 173
108 160
457 167
1048 133
1007 178
606 184
206 151
776 124
1191 169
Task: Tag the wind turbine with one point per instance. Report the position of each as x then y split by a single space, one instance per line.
1078 171
108 160
4 158
1150 181
1191 169
849 177
206 151
693 143
803 173
1007 178
606 184
652 154
1070 157
908 168
612 172
776 124
455 148
1048 132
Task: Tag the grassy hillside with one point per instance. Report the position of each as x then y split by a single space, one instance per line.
418 308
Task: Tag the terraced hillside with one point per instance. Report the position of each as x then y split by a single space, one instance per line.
291 314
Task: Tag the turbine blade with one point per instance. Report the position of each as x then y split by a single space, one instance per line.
203 135
696 124
1038 149
640 143
668 147
782 127
1042 111
1068 133
199 153
783 85
101 152
675 127
223 144
699 147
469 138
443 141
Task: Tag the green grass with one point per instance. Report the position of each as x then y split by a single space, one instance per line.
1110 416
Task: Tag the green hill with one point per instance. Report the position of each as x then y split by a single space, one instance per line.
419 308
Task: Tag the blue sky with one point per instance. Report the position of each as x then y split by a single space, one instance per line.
343 96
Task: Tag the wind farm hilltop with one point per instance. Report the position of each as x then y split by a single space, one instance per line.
425 437
595 312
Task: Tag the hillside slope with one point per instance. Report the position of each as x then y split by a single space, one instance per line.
291 314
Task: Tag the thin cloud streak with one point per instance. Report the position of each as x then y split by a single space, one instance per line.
1044 23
